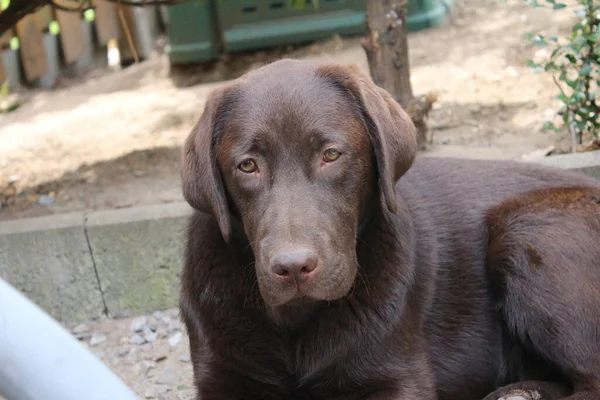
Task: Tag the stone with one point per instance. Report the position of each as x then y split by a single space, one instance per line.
175 339
97 338
137 340
185 358
138 324
46 200
151 337
123 352
167 377
137 252
79 329
175 326
48 260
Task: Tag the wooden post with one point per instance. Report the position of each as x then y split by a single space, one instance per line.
386 47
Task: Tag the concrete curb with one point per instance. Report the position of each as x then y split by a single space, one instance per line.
122 262
82 266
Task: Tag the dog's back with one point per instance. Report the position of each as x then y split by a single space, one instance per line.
453 198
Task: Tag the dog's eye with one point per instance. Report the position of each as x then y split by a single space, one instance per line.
248 166
331 155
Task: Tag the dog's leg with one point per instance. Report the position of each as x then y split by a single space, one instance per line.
544 266
530 390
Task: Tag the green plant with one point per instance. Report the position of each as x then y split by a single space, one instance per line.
574 63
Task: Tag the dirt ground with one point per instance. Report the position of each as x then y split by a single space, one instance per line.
113 141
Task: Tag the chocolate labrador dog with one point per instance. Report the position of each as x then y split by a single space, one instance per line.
325 262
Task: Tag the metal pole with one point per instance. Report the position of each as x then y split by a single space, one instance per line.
40 360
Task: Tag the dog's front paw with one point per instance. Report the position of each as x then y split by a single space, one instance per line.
519 394
530 390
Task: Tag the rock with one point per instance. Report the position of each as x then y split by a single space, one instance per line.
123 352
46 200
167 377
137 339
151 337
147 366
79 329
162 390
185 358
537 154
175 339
175 326
149 393
160 358
138 324
162 318
97 338
475 108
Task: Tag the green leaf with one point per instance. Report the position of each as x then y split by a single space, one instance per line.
585 70
576 97
549 126
584 111
571 58
593 37
563 98
539 40
571 84
559 6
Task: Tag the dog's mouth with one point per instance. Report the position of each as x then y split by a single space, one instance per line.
330 286
301 301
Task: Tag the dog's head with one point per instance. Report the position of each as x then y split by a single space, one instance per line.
298 152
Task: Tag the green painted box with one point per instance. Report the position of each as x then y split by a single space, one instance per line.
192 33
201 30
253 24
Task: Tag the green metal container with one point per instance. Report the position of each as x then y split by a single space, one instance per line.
200 30
253 24
423 14
192 32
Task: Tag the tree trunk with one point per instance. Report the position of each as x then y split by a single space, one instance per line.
386 47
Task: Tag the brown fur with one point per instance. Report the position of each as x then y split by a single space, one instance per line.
377 275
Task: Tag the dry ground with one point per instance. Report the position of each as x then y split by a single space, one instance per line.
113 141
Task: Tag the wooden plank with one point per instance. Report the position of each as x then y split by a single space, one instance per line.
33 53
44 16
71 35
5 38
107 21
124 44
2 71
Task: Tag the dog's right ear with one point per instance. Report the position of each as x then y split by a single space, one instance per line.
201 180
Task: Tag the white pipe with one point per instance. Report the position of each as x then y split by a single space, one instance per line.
40 360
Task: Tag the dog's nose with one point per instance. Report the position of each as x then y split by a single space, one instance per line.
297 265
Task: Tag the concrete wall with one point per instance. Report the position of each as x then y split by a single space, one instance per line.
121 262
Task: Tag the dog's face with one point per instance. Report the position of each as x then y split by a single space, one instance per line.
298 151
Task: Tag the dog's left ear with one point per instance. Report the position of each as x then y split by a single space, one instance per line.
201 181
391 131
